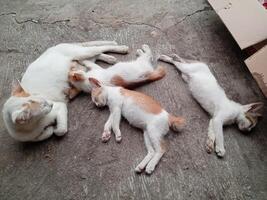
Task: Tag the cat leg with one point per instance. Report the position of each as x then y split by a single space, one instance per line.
211 138
107 58
182 66
159 145
219 141
61 119
145 53
107 129
90 65
96 43
116 123
47 132
113 123
150 153
82 53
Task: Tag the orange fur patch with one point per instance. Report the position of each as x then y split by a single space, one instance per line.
144 101
33 105
176 122
71 92
18 91
74 77
96 91
146 78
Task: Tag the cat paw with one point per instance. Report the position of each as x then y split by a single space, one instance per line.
220 152
124 49
111 60
209 145
138 169
175 57
106 136
60 131
118 139
149 170
146 48
139 52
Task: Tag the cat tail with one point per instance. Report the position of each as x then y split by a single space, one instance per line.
176 123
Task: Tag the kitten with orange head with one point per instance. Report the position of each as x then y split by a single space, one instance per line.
141 111
126 74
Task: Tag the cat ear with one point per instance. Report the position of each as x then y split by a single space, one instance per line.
17 89
95 83
76 76
253 107
21 116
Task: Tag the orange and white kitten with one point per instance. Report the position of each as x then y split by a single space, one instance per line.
210 95
126 74
37 107
141 111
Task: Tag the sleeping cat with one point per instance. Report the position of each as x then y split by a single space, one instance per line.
206 90
142 112
125 74
37 107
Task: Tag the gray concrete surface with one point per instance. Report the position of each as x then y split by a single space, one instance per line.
79 166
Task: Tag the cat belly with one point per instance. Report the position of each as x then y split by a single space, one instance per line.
135 115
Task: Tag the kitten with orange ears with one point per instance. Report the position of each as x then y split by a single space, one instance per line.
141 111
126 74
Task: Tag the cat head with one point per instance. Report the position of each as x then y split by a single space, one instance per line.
24 107
98 93
248 119
78 79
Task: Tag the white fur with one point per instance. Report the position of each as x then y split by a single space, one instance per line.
46 80
206 90
130 71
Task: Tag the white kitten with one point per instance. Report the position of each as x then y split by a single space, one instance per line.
39 102
206 90
125 74
142 112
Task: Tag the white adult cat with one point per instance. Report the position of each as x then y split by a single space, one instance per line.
125 74
206 90
141 111
38 103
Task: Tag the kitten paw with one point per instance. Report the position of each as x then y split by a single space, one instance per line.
118 139
138 170
60 131
139 52
111 60
106 136
209 145
149 170
220 152
124 49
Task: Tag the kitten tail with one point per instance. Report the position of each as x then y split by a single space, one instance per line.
176 123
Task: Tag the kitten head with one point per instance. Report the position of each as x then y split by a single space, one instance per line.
78 79
99 95
24 107
248 119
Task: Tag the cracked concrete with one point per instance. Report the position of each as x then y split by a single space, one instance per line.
79 166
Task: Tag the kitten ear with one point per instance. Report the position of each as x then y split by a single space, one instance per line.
94 82
76 76
21 116
17 89
253 107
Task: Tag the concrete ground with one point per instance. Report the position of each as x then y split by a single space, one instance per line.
79 166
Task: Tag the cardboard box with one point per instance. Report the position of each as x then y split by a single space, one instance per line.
257 65
247 22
